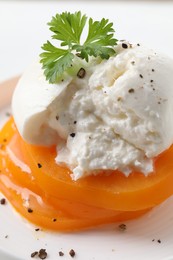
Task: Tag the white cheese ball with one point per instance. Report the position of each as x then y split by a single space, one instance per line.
119 116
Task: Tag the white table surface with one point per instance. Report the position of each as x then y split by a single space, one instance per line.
23 26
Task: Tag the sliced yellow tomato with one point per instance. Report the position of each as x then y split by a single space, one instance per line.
22 190
115 191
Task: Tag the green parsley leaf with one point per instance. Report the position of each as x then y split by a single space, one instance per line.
67 28
98 40
55 61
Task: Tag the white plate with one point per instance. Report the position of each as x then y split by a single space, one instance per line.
104 243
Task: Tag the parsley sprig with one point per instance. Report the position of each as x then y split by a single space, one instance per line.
68 28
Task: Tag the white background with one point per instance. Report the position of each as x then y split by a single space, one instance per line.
23 26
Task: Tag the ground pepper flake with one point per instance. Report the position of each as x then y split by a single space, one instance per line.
131 90
72 253
30 210
122 227
37 229
42 254
140 75
54 219
81 73
124 45
72 134
3 201
119 99
39 165
61 253
34 254
158 240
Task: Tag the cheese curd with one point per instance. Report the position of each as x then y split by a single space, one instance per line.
118 116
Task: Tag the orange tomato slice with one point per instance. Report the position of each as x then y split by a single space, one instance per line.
22 190
115 191
45 216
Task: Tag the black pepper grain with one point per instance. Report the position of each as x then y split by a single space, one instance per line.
152 70
81 73
72 134
159 241
54 219
138 44
131 90
39 165
133 62
124 45
30 210
119 99
151 80
34 254
42 254
122 227
140 75
72 253
3 201
37 229
57 117
61 253
74 122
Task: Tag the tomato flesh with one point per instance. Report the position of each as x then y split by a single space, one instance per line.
21 185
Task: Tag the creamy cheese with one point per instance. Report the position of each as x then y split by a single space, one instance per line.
119 116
